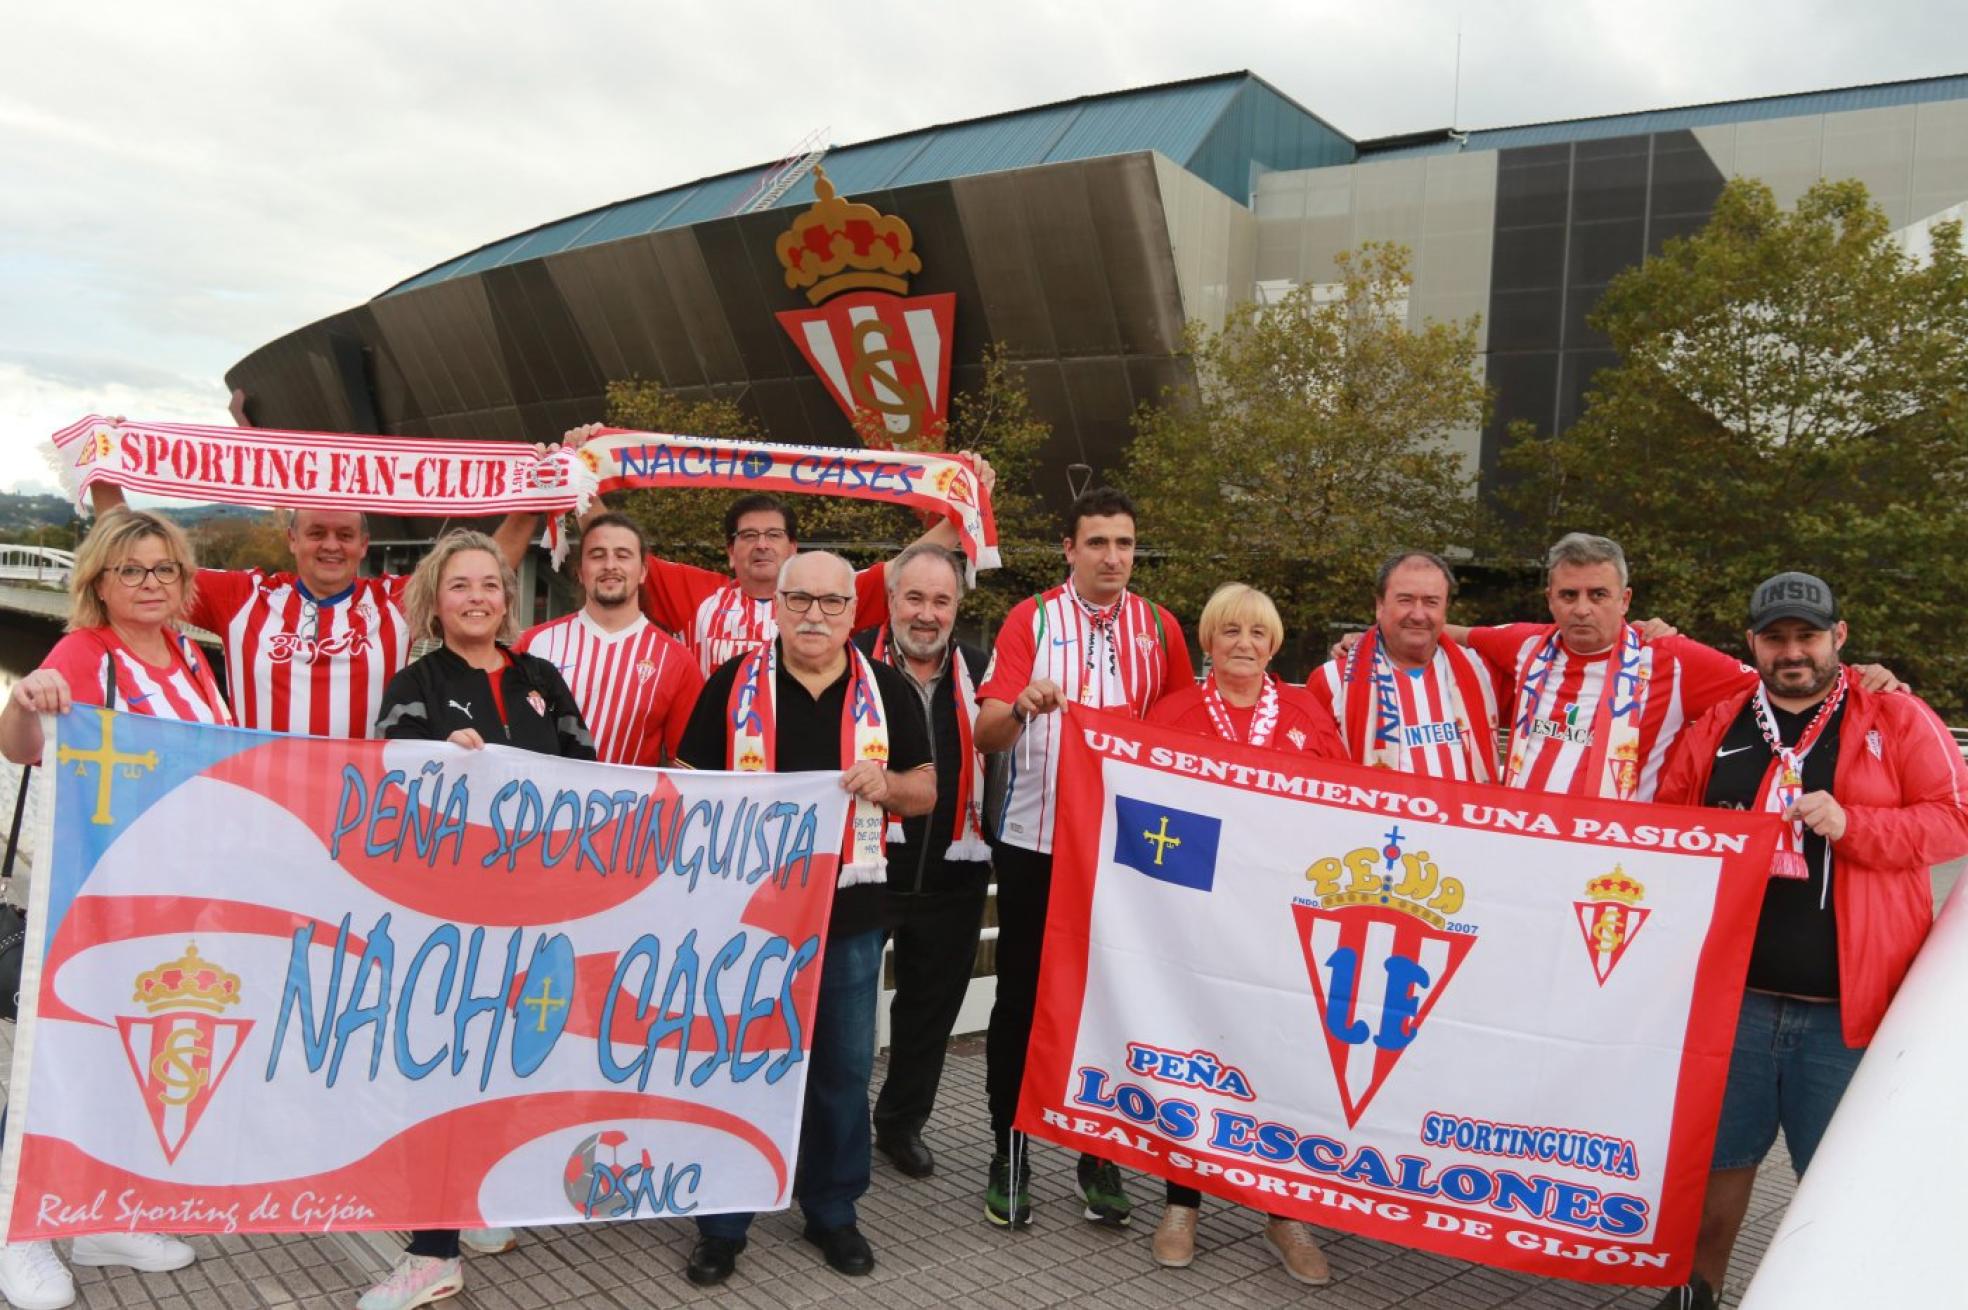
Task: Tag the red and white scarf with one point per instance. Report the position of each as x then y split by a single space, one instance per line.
967 837
752 746
1783 783
1264 715
1373 707
1614 756
430 477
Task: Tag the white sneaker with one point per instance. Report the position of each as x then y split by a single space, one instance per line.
32 1277
150 1253
416 1280
488 1241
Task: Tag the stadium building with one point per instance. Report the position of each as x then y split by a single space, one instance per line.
1082 235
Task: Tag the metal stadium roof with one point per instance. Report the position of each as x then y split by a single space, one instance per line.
1876 96
1223 128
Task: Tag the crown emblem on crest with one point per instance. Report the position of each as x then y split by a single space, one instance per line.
751 762
1616 886
874 750
187 981
842 245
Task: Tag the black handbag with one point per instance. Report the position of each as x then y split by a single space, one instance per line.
13 919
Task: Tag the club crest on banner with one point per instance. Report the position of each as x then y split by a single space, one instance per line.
1610 917
181 1047
883 355
1380 948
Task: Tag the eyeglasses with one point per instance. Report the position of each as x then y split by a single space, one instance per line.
799 602
753 536
133 575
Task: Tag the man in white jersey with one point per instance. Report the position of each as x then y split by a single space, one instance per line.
1597 706
634 682
1089 642
310 651
1405 699
721 616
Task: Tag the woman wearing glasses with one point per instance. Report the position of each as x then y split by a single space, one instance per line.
131 585
472 690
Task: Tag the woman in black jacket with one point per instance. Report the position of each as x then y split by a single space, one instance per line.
471 691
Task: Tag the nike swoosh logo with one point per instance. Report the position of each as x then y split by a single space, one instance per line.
1722 755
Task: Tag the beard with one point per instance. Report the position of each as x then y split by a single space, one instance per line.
611 593
915 647
1800 678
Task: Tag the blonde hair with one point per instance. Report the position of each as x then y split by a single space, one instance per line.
1237 602
420 597
107 546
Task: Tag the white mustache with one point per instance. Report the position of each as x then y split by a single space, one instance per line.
809 626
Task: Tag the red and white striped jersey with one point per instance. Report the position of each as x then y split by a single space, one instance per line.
298 664
183 690
712 616
1428 732
1684 680
1128 668
635 687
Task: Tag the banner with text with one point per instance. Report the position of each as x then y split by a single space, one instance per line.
283 983
943 483
1477 1021
270 468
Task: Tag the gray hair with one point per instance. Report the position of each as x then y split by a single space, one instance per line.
927 549
1578 548
787 566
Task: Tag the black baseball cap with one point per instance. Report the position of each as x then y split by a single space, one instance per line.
1792 596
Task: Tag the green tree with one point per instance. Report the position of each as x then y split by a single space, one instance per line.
1789 395
1315 442
994 419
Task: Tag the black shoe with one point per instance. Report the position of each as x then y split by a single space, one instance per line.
1696 1294
905 1150
712 1260
846 1250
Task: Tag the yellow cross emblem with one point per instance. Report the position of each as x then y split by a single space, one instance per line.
544 1002
105 757
1162 840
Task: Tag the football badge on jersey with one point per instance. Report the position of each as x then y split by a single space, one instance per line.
538 702
181 1047
1381 948
1610 917
645 669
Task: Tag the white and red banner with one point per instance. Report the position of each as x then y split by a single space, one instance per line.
404 985
1486 1023
941 482
431 477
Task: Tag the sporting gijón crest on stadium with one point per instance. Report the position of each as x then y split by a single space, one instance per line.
1381 949
883 354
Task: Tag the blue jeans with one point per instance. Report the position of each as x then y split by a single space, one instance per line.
833 1168
1790 1067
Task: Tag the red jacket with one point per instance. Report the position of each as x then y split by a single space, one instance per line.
1903 786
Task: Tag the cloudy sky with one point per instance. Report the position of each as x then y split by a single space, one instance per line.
180 183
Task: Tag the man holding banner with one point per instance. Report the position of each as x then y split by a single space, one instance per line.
808 700
310 651
1405 699
721 616
1092 642
1869 785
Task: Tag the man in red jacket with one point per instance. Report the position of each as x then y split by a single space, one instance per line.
1875 793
